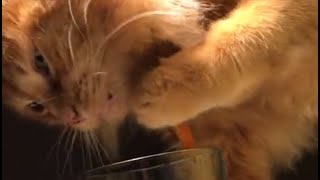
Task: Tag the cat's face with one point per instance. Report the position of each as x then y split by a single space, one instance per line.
59 66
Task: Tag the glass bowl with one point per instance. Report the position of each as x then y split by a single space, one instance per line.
191 164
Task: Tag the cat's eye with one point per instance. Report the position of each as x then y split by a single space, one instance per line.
40 64
36 107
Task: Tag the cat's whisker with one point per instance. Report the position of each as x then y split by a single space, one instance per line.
133 19
96 147
91 145
74 132
99 73
88 149
137 17
82 151
76 136
70 44
48 100
65 149
54 146
103 149
51 151
85 17
60 139
85 13
72 148
74 19
68 139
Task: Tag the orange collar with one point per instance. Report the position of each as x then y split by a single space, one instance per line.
185 136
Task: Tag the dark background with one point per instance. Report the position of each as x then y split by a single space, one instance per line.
26 147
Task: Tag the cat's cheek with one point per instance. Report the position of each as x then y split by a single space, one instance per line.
115 111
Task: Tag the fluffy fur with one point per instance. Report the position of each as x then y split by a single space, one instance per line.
92 51
247 82
250 88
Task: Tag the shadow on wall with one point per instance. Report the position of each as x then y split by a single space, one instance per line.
26 147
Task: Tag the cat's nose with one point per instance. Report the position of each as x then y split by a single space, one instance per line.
71 116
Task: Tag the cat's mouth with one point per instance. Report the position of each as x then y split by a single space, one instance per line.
83 123
75 118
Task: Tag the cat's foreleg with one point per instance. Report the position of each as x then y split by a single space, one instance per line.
222 70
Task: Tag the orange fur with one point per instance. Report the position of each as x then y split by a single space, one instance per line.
92 48
250 88
248 85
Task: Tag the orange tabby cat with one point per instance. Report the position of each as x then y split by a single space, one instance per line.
74 62
247 81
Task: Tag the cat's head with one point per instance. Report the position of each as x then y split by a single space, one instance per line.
70 61
61 64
